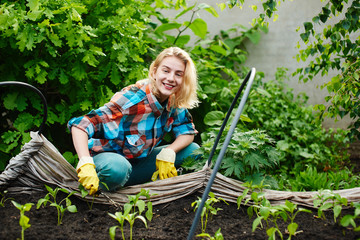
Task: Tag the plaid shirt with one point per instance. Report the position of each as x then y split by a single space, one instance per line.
133 123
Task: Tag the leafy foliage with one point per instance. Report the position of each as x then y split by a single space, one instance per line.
335 48
77 53
273 107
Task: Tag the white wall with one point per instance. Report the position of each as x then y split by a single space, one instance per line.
277 48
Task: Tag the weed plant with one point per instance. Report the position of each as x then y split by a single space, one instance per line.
52 193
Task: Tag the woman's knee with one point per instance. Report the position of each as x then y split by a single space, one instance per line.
113 170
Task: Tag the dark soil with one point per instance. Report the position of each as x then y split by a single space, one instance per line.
171 221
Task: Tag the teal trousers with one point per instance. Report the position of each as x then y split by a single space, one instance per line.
115 171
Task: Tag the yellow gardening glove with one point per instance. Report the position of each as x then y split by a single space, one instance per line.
87 174
165 164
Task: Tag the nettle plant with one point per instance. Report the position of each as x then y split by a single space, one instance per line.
24 220
132 211
249 154
61 209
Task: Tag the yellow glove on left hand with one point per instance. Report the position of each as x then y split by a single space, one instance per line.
165 164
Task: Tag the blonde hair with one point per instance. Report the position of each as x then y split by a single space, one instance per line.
186 96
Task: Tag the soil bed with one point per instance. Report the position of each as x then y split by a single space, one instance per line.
171 221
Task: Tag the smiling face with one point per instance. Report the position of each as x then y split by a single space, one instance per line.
168 77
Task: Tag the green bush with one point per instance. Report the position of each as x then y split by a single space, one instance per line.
288 119
78 53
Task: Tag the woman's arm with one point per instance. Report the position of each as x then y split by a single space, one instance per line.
80 140
181 142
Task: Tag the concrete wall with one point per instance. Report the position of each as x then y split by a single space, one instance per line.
277 48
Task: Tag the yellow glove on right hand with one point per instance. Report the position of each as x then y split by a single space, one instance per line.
88 177
165 165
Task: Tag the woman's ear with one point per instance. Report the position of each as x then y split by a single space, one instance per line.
154 72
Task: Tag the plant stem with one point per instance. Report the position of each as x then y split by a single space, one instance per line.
122 230
131 226
59 219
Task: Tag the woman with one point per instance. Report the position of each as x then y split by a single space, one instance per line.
117 144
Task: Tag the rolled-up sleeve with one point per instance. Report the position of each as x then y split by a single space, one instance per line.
99 123
183 123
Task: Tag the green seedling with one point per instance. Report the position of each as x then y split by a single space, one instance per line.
132 211
24 220
270 213
290 210
350 219
59 207
217 236
326 200
208 210
3 198
137 204
256 196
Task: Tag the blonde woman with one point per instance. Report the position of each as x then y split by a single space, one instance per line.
118 144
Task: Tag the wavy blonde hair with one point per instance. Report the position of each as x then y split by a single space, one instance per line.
186 96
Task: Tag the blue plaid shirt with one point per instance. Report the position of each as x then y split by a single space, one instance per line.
133 123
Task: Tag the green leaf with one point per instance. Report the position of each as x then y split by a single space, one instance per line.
184 11
208 8
253 36
182 40
199 27
347 220
218 49
308 26
112 232
292 227
167 26
214 118
256 223
24 222
72 208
